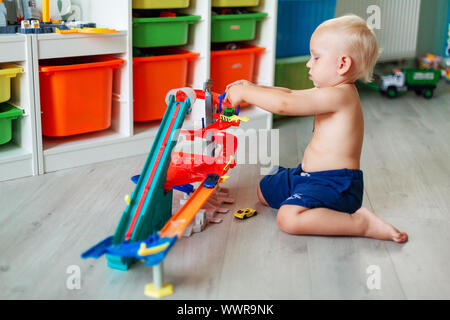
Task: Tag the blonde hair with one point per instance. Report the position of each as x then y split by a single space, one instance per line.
361 39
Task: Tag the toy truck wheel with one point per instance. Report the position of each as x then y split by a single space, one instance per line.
428 93
392 92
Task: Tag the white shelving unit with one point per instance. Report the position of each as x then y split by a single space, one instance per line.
61 153
18 158
125 138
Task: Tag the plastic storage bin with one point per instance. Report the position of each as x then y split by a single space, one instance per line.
234 27
160 4
153 77
234 3
231 65
76 94
162 31
297 20
8 113
7 71
292 73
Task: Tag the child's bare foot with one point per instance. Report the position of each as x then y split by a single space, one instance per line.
379 229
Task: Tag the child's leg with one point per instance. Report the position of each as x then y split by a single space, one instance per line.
261 197
322 221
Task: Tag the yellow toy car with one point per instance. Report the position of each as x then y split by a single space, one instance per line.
245 213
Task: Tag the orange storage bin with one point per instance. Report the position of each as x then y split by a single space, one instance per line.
228 66
76 94
153 77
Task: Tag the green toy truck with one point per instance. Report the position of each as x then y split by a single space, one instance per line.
421 81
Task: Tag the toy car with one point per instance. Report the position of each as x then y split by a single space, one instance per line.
245 213
227 113
422 81
211 180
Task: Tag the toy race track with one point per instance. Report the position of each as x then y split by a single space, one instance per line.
179 221
137 221
147 230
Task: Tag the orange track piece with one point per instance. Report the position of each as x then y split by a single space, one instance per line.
180 220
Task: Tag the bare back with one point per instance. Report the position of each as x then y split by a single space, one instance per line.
338 137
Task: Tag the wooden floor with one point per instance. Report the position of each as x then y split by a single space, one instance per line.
47 221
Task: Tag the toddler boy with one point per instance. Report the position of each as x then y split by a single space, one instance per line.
323 195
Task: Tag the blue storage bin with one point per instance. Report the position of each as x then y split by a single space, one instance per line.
297 20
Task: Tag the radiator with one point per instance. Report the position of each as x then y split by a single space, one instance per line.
397 36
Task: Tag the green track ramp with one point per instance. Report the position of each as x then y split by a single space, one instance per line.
157 204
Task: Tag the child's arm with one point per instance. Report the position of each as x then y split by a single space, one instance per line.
292 102
248 83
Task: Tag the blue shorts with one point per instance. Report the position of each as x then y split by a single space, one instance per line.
340 190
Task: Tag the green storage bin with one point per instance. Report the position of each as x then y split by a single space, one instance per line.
7 71
292 73
234 27
234 3
8 113
160 4
162 32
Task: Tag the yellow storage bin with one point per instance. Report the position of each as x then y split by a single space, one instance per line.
235 3
160 4
7 71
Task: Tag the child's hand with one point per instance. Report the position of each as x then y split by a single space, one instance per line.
233 92
234 95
